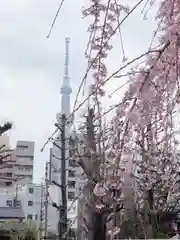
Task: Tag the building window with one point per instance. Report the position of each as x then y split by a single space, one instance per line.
70 153
71 195
72 163
30 203
8 183
31 190
9 203
9 174
21 176
29 168
71 184
71 146
71 173
71 142
22 148
29 216
24 158
17 203
29 176
71 233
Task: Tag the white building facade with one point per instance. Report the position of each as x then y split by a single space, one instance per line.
31 197
23 169
18 165
7 196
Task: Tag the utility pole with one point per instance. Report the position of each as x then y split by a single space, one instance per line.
46 202
16 196
63 207
41 225
16 192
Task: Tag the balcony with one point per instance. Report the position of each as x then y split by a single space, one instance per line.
23 171
24 161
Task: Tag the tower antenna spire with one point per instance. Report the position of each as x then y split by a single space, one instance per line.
66 64
66 88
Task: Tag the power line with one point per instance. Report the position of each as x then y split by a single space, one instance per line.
49 139
55 18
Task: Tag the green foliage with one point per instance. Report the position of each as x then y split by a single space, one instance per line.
161 235
25 231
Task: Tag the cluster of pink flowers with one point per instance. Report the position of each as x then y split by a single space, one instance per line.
148 104
105 15
151 99
155 90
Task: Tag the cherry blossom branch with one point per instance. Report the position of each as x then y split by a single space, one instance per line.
105 45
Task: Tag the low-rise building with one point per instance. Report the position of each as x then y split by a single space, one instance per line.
12 214
17 163
31 197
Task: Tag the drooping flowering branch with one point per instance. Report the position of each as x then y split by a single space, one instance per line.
106 16
144 121
151 100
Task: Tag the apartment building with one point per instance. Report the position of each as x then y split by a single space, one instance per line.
23 168
18 163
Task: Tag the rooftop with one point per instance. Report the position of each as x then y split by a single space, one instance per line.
11 213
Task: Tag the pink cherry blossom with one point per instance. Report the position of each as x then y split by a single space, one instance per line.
99 190
143 123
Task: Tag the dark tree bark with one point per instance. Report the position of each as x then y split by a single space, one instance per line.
100 226
7 126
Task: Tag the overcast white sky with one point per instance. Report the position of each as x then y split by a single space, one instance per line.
31 66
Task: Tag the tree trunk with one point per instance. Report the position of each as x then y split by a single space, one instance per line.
100 226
